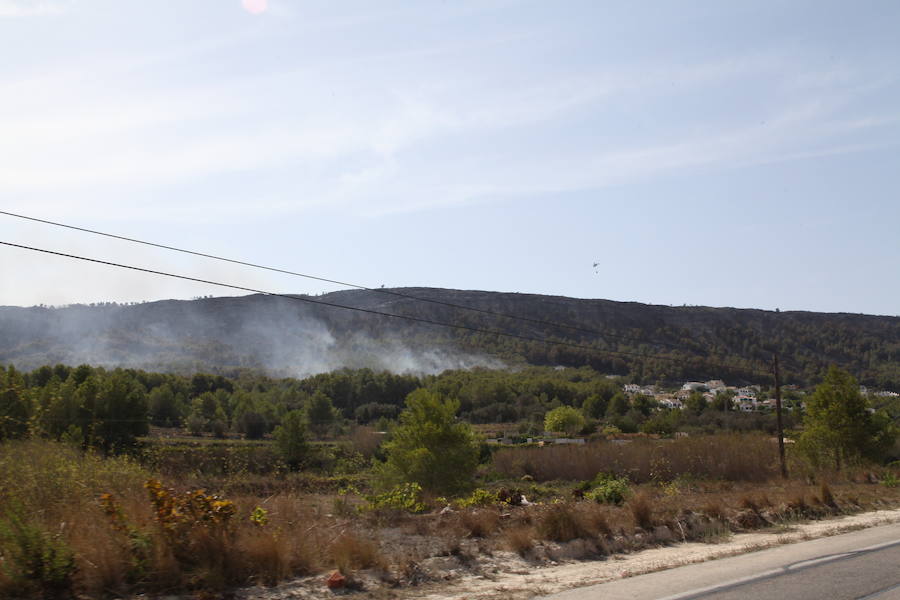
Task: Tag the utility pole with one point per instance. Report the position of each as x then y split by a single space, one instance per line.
782 463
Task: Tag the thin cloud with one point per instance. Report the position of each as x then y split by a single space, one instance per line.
32 8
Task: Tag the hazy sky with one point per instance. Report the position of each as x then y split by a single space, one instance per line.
719 153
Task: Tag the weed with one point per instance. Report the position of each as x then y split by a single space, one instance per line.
609 490
406 497
269 555
519 539
713 510
33 560
480 523
479 497
747 502
350 552
889 480
642 512
259 516
560 523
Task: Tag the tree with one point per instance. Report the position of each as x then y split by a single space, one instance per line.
644 404
320 413
618 405
696 403
164 409
290 439
724 401
839 426
252 424
119 411
564 419
594 406
430 446
15 409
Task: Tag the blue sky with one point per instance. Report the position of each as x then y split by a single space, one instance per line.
717 153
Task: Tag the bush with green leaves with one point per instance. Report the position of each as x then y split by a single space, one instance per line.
478 497
564 419
839 427
406 497
430 447
890 480
32 560
606 489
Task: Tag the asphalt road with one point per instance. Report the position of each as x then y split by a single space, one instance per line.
862 565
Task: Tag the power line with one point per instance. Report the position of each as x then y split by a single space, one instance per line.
347 284
377 312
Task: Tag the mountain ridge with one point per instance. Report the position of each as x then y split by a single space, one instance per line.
300 334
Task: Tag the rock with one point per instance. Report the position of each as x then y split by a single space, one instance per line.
749 519
663 534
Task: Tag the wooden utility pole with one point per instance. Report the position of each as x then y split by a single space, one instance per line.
783 464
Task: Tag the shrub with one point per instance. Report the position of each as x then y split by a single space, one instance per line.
609 490
32 560
560 523
480 523
890 480
479 497
519 539
642 512
430 447
827 495
350 551
406 497
564 419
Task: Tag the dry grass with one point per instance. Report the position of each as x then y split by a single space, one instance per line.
562 523
480 523
351 551
827 495
749 503
713 509
132 552
641 509
519 538
730 457
268 556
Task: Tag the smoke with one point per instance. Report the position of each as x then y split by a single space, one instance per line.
257 332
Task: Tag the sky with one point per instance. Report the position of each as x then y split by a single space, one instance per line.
712 153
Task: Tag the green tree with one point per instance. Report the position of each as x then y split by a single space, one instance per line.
290 439
839 427
644 404
430 446
15 408
696 403
724 401
618 405
564 419
164 409
120 411
320 413
594 406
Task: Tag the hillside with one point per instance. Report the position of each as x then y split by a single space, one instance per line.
298 337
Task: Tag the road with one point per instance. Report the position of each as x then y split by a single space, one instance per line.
862 565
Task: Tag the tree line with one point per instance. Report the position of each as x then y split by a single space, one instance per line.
110 408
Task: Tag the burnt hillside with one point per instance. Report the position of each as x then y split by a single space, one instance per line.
300 337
